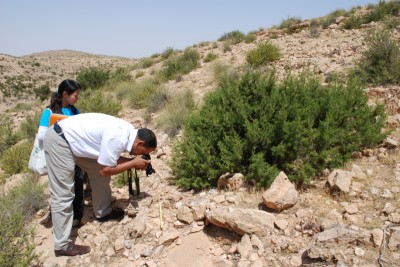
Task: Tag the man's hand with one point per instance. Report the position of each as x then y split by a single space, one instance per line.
140 163
124 165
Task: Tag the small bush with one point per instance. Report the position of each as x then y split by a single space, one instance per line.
147 62
15 159
98 101
263 54
29 127
210 57
254 125
120 75
42 92
226 47
121 180
289 22
377 13
380 63
16 208
169 51
7 136
157 100
176 112
92 78
234 37
180 64
141 94
250 37
331 17
391 23
314 29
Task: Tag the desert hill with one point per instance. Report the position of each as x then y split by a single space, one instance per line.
170 227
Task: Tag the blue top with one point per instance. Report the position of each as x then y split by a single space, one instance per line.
45 119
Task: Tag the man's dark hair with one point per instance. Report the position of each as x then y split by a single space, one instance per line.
148 136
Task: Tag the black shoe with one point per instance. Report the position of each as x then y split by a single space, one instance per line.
72 250
115 214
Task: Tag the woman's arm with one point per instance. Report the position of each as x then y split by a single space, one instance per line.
40 134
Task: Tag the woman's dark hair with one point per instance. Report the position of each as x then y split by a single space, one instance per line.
148 136
69 86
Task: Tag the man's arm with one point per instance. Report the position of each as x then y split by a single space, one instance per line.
124 164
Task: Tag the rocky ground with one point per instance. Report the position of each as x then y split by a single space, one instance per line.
348 217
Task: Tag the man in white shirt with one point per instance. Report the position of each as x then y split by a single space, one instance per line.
93 141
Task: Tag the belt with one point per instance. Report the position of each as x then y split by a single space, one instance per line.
58 130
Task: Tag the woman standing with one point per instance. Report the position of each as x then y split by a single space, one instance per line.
62 102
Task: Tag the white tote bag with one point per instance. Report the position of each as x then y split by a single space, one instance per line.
37 161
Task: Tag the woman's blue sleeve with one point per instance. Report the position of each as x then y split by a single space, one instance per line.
45 119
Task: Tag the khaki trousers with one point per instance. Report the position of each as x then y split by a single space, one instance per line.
61 171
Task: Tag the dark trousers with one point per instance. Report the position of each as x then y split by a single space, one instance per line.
78 200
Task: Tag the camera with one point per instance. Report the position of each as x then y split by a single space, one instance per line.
149 169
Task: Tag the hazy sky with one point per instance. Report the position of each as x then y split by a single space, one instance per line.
135 29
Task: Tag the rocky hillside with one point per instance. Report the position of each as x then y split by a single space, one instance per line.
235 225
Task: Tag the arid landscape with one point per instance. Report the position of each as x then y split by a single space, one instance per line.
231 225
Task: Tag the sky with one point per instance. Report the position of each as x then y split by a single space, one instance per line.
136 29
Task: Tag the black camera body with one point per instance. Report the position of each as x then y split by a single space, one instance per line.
149 169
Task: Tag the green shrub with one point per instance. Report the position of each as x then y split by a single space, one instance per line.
7 136
314 29
98 101
180 64
120 75
263 54
226 47
42 92
210 57
331 17
16 208
380 63
250 37
257 126
29 127
176 112
141 94
157 100
169 51
391 23
92 78
120 180
289 22
233 37
147 62
377 13
15 159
